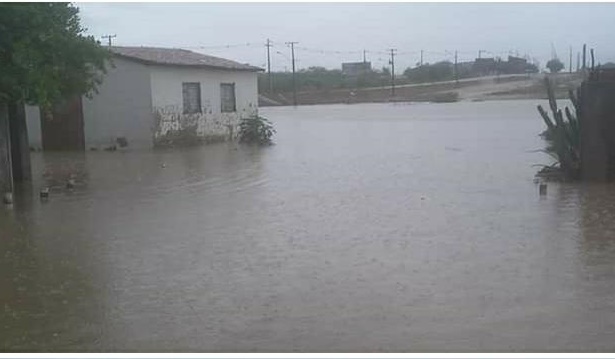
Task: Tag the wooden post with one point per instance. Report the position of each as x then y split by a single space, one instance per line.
20 148
6 176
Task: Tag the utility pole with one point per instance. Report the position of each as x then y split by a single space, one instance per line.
364 58
392 62
421 58
584 56
292 52
268 45
570 61
456 70
578 61
109 37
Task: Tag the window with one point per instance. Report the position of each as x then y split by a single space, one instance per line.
191 92
227 95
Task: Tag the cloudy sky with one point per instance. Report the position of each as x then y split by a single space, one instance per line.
331 33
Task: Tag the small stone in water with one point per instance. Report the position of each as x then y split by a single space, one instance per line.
8 198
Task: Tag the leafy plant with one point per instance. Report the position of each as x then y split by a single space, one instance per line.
45 55
562 134
256 130
555 65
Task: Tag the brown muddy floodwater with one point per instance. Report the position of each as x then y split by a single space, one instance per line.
373 227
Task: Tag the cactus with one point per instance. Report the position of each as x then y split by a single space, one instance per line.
563 134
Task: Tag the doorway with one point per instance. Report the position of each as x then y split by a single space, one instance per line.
62 129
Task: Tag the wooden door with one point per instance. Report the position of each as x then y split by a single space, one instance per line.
62 130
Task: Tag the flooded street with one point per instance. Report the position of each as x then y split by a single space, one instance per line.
370 227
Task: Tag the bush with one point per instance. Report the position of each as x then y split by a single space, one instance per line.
555 65
256 130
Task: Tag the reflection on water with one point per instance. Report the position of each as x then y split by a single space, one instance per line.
366 228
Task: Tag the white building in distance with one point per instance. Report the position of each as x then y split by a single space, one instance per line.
150 97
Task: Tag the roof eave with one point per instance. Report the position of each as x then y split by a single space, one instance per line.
155 63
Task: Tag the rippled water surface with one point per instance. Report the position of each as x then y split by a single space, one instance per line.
375 227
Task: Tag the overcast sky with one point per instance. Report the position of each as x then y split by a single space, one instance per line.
331 33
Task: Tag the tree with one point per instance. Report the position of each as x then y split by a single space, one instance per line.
44 55
44 58
555 65
440 71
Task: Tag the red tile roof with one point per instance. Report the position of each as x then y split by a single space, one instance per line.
178 57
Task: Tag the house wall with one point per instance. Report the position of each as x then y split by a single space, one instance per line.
6 176
597 137
33 121
121 108
171 124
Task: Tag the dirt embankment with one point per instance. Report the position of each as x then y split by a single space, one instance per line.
477 89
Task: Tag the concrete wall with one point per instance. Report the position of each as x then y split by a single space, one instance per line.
6 177
143 103
211 123
33 121
598 131
121 108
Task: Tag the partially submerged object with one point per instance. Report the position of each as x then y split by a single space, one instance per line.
8 198
44 193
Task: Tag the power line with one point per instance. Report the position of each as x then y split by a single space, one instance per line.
292 51
109 37
456 70
570 61
392 62
269 45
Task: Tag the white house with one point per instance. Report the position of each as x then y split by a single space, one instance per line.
153 96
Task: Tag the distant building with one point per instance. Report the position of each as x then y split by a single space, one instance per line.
354 69
484 67
491 66
516 65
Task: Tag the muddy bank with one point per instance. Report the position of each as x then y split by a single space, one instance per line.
512 87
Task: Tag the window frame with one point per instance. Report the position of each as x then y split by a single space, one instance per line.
223 108
199 106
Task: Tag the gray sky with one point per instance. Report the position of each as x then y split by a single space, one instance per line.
348 28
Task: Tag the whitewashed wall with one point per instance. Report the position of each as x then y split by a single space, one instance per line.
33 122
211 123
142 103
121 108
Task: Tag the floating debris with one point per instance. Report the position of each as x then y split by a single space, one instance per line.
8 198
44 193
122 142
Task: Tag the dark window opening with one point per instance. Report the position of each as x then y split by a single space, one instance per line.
227 95
191 92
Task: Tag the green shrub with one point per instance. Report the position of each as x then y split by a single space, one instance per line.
563 134
256 130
